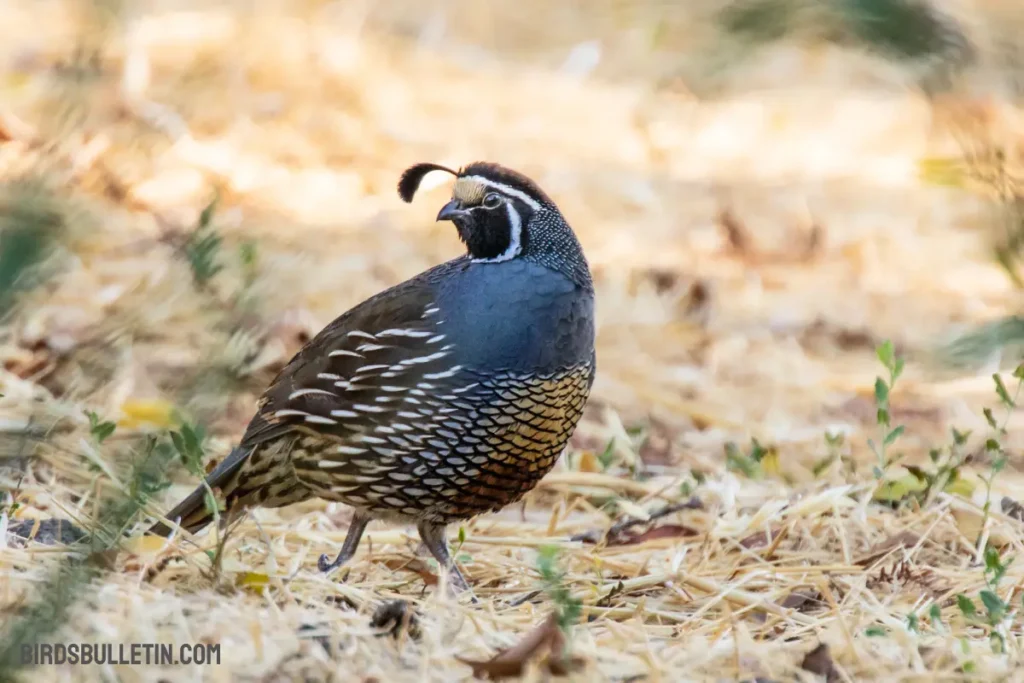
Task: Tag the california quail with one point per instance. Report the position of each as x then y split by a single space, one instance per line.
444 397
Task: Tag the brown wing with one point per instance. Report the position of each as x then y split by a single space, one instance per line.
384 357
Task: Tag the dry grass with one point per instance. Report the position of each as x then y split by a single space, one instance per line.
751 250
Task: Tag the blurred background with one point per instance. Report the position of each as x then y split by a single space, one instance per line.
767 191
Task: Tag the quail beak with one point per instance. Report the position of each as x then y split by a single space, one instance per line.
451 211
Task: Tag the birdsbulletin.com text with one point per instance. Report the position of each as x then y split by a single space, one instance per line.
136 654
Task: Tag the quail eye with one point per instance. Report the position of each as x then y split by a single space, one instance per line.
492 200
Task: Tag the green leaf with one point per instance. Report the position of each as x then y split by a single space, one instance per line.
1018 373
960 438
607 456
202 250
103 431
822 465
893 435
547 556
1004 395
990 418
966 606
935 614
736 460
99 429
995 566
206 217
918 473
992 562
897 369
994 605
912 623
179 445
881 392
757 451
210 502
876 631
886 353
991 445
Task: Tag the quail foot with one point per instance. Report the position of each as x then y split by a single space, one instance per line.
444 397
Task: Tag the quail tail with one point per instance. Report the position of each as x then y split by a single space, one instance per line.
239 483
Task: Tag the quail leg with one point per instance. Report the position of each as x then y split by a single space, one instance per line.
433 538
348 548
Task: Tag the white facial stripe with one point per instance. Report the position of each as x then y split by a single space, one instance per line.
505 189
515 238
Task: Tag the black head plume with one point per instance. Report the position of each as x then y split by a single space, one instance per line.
413 176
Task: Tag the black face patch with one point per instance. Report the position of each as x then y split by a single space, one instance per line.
489 231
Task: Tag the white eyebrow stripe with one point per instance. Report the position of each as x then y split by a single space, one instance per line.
506 189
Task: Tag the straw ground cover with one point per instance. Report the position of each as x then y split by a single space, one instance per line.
762 487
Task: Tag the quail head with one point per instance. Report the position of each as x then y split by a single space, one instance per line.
444 397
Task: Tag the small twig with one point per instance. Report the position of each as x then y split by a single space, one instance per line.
617 530
527 597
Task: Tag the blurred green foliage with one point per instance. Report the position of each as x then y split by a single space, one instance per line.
909 30
32 221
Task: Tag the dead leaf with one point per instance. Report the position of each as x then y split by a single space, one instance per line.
138 412
416 566
105 560
145 545
761 538
254 581
803 601
1012 508
587 462
545 642
818 661
904 539
736 234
